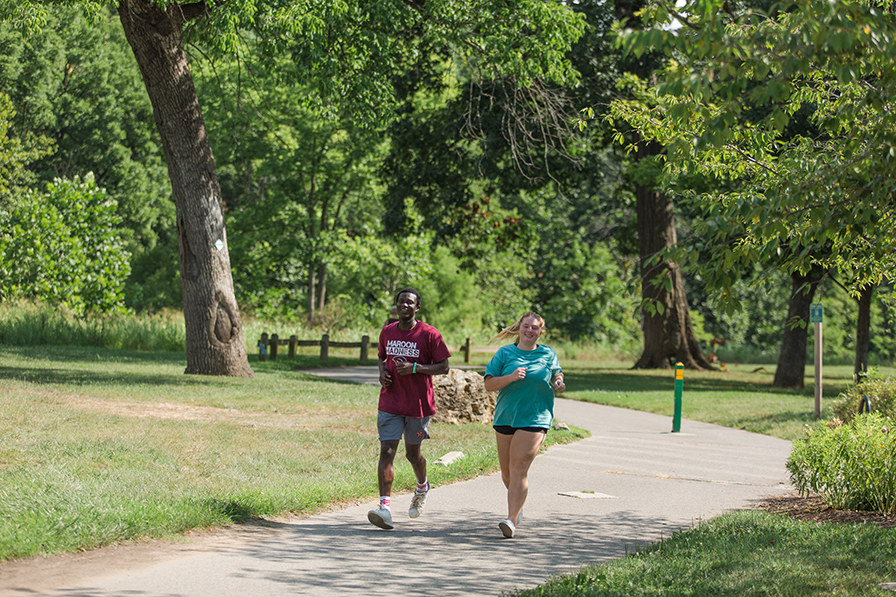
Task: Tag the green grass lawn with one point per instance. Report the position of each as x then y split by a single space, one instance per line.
103 446
744 554
742 397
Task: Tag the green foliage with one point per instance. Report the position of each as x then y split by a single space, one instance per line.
851 466
724 109
297 180
14 155
75 86
753 333
61 246
585 294
880 391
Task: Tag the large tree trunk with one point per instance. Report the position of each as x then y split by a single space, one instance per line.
668 332
863 332
791 371
214 330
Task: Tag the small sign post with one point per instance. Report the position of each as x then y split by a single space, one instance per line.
679 389
816 316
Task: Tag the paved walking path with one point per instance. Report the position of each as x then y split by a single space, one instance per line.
630 484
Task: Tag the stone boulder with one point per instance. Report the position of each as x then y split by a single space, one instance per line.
461 397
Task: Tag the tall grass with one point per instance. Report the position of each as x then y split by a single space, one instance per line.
27 324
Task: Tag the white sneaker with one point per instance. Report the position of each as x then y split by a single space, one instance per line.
381 517
507 527
418 502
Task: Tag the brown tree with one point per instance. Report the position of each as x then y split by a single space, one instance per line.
668 331
214 330
863 331
791 370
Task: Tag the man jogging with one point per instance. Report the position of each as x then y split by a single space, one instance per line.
410 352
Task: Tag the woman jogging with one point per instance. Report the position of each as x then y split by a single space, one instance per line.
525 374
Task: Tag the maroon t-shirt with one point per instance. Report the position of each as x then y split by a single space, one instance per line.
410 395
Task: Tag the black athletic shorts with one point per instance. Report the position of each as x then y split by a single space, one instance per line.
508 430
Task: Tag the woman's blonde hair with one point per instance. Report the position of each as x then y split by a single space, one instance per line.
513 331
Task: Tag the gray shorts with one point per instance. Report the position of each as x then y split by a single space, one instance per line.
390 428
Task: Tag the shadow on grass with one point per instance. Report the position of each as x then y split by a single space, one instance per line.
53 365
773 420
627 381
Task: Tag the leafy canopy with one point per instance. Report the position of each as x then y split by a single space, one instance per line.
789 115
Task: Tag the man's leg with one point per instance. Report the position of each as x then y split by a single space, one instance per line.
416 430
382 516
386 469
415 456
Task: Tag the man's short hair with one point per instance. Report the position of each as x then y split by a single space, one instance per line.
409 291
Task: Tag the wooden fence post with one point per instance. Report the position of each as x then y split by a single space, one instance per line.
263 347
365 344
275 342
293 341
325 347
468 351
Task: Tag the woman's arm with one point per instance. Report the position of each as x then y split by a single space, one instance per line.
558 383
493 384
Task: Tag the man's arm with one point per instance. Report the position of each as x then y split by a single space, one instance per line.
439 368
385 378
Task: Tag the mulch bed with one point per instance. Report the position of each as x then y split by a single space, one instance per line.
812 509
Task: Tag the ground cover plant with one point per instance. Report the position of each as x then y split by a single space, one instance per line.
880 393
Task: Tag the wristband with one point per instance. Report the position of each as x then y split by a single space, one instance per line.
414 370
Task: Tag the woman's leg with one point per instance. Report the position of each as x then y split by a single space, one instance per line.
503 441
521 448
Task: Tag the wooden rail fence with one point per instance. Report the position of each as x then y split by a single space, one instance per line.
268 347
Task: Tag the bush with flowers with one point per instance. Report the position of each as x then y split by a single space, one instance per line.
851 465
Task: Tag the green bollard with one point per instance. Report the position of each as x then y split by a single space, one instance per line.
679 387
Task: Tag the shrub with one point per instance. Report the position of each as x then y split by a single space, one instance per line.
62 246
881 392
850 465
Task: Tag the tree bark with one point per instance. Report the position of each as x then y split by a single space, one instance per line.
322 284
312 286
791 371
214 332
863 332
668 331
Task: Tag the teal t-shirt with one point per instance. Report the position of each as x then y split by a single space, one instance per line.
526 402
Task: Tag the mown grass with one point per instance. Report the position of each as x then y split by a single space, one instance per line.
741 398
746 554
103 446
